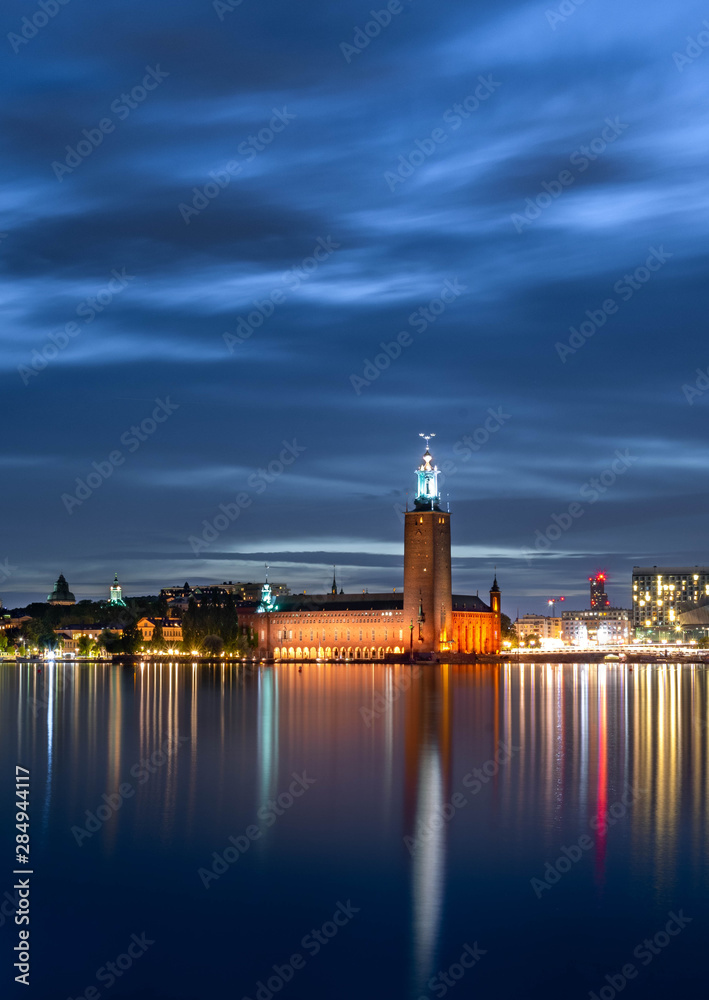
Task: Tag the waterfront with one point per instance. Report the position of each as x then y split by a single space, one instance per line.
373 820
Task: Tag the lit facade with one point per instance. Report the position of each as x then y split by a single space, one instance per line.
171 629
596 627
427 621
537 626
70 635
662 593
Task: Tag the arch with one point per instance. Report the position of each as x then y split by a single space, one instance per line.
276 653
349 653
328 653
358 653
388 650
380 653
365 653
313 653
397 650
291 653
321 653
299 653
335 653
284 653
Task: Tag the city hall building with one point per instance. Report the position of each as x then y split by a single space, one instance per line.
426 621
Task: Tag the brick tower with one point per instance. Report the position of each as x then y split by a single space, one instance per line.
428 604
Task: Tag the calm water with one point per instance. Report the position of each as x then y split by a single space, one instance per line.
379 754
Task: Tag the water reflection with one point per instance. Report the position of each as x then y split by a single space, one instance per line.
427 790
581 736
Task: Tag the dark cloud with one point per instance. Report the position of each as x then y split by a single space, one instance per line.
302 328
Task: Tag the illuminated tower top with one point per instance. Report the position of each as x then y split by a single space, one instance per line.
116 593
427 497
599 598
267 601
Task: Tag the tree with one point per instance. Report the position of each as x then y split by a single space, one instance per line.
158 639
109 641
86 645
508 631
40 634
213 645
130 639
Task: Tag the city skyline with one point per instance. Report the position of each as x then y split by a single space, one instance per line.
511 248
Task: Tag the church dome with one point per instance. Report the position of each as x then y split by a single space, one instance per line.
61 593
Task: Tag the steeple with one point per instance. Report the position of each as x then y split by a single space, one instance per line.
427 497
116 593
495 595
334 581
267 603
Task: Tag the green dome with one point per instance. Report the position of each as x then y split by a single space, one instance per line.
61 593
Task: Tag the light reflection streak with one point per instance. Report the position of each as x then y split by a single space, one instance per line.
50 677
267 735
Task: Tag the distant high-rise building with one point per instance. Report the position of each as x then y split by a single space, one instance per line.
662 593
599 598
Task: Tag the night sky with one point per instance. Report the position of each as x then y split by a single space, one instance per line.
257 196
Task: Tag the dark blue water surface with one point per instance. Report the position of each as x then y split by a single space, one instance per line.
376 838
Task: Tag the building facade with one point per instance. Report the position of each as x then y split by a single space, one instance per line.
69 636
171 629
599 598
537 626
662 593
427 621
597 627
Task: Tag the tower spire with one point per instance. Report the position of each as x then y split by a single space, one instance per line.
427 497
334 581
